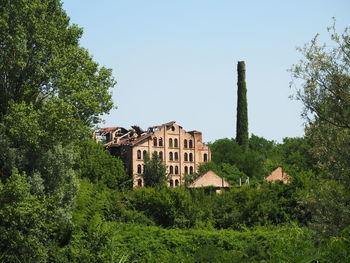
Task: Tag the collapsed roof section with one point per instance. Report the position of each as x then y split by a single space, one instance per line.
117 136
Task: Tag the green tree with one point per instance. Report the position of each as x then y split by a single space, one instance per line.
242 107
324 79
154 171
99 165
41 59
25 222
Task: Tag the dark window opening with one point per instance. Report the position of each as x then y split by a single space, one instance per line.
139 182
176 144
155 141
191 157
176 156
139 171
160 142
185 143
171 183
170 156
205 158
176 182
191 170
186 157
190 144
144 154
139 154
170 142
176 170
171 169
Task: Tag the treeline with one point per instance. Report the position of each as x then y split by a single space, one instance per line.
63 198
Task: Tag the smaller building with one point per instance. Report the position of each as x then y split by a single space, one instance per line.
210 179
278 175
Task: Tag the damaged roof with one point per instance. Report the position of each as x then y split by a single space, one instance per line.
131 137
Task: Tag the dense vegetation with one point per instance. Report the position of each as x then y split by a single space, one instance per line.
63 198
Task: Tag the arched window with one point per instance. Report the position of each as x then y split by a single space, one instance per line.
191 170
139 171
139 154
170 156
144 154
205 157
171 169
185 143
186 170
160 143
176 144
176 157
186 157
170 142
176 169
173 128
171 183
155 141
161 155
143 168
191 157
176 182
139 182
191 144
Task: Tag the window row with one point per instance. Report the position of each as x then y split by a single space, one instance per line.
188 157
172 142
139 155
172 169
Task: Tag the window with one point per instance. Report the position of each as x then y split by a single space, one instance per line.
173 128
161 155
160 143
191 144
186 157
176 157
176 144
176 182
139 182
186 170
139 169
155 141
156 153
139 155
176 169
170 142
191 157
170 156
191 170
205 157
171 169
144 154
143 168
185 143
171 183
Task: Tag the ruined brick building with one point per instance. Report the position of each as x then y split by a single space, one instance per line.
181 151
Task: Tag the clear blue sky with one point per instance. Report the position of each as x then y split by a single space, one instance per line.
176 60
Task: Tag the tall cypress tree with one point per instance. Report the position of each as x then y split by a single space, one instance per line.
242 108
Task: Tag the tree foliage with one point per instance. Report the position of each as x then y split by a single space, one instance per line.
324 77
154 171
41 59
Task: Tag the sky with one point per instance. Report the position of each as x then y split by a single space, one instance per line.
177 60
